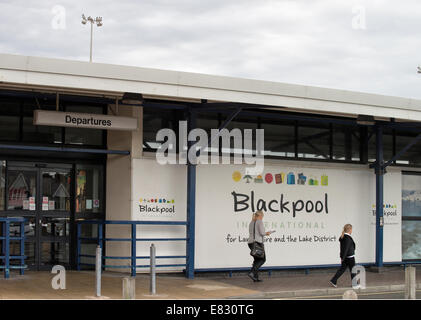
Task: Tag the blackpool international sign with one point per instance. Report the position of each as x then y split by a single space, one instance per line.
84 120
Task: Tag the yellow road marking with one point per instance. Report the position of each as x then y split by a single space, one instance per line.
330 296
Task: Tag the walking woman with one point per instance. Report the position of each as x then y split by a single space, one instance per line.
256 234
347 254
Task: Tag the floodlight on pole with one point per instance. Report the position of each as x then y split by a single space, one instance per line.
98 22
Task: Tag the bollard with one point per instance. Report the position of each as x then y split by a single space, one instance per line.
350 295
129 288
153 270
410 283
98 270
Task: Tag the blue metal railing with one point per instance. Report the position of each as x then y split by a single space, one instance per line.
101 240
6 239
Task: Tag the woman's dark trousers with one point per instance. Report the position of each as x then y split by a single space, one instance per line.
257 263
346 263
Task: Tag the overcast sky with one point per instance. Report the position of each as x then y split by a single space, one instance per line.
367 45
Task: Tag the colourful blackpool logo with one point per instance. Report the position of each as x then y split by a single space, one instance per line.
160 206
289 178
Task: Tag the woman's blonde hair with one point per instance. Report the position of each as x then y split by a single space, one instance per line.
347 228
258 214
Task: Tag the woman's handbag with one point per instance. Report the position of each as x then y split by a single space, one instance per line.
257 249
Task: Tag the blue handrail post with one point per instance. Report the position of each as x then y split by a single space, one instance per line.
22 246
3 242
7 252
133 250
78 246
133 243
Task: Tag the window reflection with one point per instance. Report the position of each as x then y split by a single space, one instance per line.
56 190
89 182
21 190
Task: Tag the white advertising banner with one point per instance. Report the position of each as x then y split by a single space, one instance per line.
306 207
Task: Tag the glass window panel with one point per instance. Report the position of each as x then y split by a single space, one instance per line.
54 253
29 230
10 106
55 227
89 188
21 191
279 139
56 190
9 119
240 123
411 156
411 195
29 252
208 121
9 128
314 141
40 134
346 143
155 120
29 249
77 136
2 184
411 240
89 230
88 249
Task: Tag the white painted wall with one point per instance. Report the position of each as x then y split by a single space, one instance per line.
161 182
119 184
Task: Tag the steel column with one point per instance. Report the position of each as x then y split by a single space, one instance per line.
191 204
379 170
22 246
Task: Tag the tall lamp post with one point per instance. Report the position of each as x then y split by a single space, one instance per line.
98 22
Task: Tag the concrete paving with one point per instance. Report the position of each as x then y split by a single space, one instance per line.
81 285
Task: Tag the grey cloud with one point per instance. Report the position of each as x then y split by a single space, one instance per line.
305 42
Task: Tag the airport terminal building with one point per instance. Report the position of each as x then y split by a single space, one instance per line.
78 144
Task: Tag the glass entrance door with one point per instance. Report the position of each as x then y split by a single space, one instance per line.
42 194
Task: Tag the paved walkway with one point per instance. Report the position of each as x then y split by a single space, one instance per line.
81 285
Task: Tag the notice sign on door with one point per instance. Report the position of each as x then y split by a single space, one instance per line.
84 120
51 205
32 203
44 203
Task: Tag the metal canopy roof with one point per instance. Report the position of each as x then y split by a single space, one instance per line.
17 71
